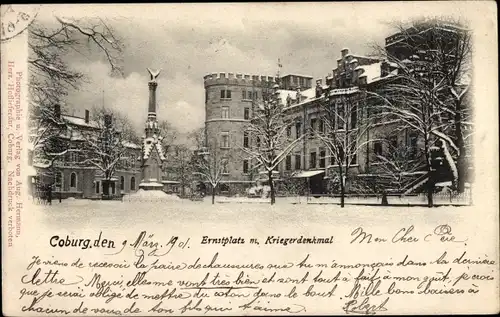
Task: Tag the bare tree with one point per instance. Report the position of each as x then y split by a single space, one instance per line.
51 77
106 147
345 131
428 94
169 134
268 129
179 165
210 164
399 164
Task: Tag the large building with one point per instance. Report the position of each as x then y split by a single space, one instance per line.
231 99
71 174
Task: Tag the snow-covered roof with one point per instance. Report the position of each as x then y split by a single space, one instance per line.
298 75
309 93
343 91
44 164
79 121
150 184
151 143
307 96
130 145
371 71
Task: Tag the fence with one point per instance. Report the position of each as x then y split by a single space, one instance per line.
441 198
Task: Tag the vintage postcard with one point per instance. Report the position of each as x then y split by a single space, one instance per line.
250 159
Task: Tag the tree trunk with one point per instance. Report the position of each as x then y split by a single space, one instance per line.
342 190
430 202
271 185
430 173
461 163
213 194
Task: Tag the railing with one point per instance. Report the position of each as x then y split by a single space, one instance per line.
442 198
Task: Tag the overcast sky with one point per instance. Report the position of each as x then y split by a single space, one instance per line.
191 40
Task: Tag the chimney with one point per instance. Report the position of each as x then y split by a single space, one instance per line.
319 88
87 116
298 95
57 111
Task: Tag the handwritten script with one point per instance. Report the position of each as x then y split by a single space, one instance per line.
149 274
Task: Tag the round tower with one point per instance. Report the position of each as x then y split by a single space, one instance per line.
229 102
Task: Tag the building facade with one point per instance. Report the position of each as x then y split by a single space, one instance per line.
71 174
230 101
349 88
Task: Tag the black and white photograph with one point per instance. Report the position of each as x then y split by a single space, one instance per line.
302 158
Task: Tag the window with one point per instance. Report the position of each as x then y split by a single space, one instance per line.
312 160
377 148
225 94
341 117
354 155
73 156
72 180
255 95
321 126
313 126
332 159
322 157
245 139
289 131
224 188
297 161
225 112
246 114
257 142
132 160
393 142
225 164
298 128
132 183
97 187
58 177
244 95
245 166
354 158
288 162
412 143
341 155
225 140
354 117
122 183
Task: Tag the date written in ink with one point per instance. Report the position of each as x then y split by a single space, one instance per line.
147 245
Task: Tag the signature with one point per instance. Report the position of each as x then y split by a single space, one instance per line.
364 307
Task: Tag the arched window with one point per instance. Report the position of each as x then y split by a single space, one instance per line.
132 183
122 183
73 180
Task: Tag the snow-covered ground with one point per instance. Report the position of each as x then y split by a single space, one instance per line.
142 195
73 213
